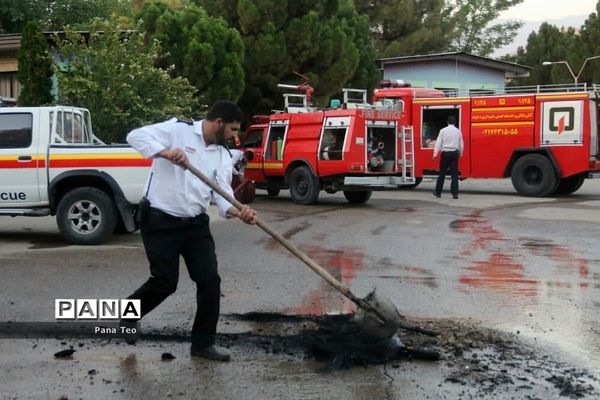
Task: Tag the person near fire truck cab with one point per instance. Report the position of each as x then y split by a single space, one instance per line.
174 222
451 146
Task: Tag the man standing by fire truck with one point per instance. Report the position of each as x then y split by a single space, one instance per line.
450 144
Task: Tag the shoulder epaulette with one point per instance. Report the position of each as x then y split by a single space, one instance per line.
185 120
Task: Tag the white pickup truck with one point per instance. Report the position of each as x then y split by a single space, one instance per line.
52 164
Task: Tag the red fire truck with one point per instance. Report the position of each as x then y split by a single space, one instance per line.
352 146
544 139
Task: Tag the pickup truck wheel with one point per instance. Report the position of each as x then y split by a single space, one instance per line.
355 197
86 216
569 185
304 186
533 176
273 192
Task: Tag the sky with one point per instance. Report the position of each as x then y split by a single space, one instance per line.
534 12
543 10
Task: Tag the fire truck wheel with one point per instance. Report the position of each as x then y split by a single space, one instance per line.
304 186
86 216
569 185
355 197
273 192
533 176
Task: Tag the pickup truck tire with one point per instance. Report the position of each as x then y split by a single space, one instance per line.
533 176
86 216
359 197
304 186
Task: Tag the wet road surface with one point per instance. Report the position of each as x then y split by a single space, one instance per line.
512 284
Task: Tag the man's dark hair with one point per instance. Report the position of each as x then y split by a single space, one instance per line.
451 120
228 111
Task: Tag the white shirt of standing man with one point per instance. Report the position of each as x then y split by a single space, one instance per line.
449 139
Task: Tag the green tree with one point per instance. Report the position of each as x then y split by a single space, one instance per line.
201 48
35 67
54 15
14 15
326 40
407 27
474 30
549 43
590 46
111 72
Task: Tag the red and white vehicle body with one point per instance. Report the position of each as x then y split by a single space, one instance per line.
52 164
355 148
546 141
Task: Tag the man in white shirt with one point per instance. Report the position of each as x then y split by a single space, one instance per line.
175 221
450 144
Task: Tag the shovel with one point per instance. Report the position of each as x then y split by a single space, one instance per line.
376 315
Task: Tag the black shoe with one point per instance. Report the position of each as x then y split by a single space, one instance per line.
455 196
210 352
436 194
129 329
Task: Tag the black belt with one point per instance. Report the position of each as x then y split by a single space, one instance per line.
162 214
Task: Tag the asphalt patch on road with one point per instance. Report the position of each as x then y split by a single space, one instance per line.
480 359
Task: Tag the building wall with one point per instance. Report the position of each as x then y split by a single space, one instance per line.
447 75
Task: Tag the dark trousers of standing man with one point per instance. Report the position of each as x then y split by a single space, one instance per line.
167 237
448 161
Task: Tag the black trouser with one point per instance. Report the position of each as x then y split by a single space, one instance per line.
448 161
165 239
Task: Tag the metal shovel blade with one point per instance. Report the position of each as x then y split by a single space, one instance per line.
379 318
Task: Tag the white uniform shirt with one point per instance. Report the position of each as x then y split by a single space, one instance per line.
172 189
449 139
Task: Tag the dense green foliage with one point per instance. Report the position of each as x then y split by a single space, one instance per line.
201 48
35 67
241 49
473 27
554 44
112 73
326 40
407 27
54 15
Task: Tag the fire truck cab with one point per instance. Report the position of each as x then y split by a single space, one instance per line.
544 139
352 146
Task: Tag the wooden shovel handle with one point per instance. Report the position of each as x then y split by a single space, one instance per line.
343 289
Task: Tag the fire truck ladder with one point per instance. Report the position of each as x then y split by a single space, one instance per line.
408 151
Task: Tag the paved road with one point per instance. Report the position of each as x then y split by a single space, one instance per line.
523 273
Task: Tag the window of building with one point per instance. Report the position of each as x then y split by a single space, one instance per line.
9 85
16 130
